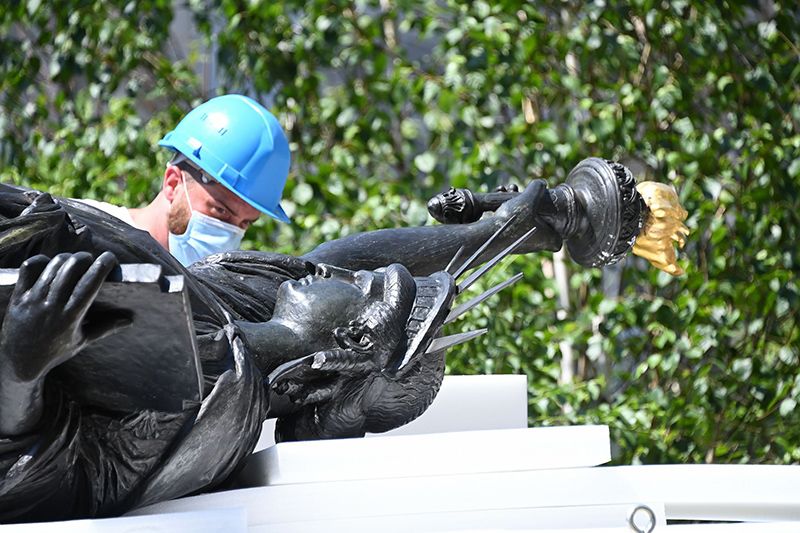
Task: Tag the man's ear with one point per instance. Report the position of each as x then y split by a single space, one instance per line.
173 179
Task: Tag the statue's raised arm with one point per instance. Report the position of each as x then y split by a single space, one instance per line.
597 212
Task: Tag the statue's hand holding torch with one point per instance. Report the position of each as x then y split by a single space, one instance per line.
600 212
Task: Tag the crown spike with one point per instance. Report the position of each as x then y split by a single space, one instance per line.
475 276
466 306
454 260
469 262
442 343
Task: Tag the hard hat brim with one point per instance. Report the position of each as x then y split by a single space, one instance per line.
277 213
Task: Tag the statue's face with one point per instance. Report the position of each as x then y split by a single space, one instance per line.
315 305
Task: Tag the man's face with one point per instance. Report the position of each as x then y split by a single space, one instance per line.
315 305
211 199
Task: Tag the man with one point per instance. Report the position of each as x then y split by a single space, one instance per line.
230 165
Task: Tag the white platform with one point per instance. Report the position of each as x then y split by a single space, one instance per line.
202 521
437 454
469 403
553 497
702 492
464 403
526 519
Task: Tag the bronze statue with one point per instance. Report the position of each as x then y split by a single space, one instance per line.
337 342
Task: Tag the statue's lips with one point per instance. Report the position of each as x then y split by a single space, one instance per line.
286 287
308 280
292 284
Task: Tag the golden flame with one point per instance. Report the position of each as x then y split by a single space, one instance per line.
663 226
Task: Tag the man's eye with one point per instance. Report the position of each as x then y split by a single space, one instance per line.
220 211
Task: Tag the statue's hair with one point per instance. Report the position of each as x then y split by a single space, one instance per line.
358 387
384 322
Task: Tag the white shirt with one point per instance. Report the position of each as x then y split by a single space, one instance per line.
115 211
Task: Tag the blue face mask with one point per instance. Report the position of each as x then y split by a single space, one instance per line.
204 236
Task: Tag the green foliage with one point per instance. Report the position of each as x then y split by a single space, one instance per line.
75 79
387 102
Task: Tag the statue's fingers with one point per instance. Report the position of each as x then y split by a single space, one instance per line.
41 288
67 277
534 191
319 394
659 231
29 272
657 203
89 284
665 226
664 202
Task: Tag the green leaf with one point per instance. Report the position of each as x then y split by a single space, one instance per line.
425 162
302 193
787 407
33 6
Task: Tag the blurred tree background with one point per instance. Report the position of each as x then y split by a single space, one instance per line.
388 102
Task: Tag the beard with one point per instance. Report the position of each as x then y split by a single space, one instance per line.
178 216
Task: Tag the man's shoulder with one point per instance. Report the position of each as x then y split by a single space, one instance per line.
116 211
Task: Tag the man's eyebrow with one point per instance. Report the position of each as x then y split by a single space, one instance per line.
226 206
232 212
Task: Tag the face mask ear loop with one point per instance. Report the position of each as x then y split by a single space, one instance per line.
186 193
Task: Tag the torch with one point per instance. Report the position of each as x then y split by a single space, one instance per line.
600 212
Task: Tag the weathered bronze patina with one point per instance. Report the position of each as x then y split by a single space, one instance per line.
335 343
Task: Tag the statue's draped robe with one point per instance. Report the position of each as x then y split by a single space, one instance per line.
83 462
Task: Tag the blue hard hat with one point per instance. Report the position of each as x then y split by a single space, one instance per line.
239 143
